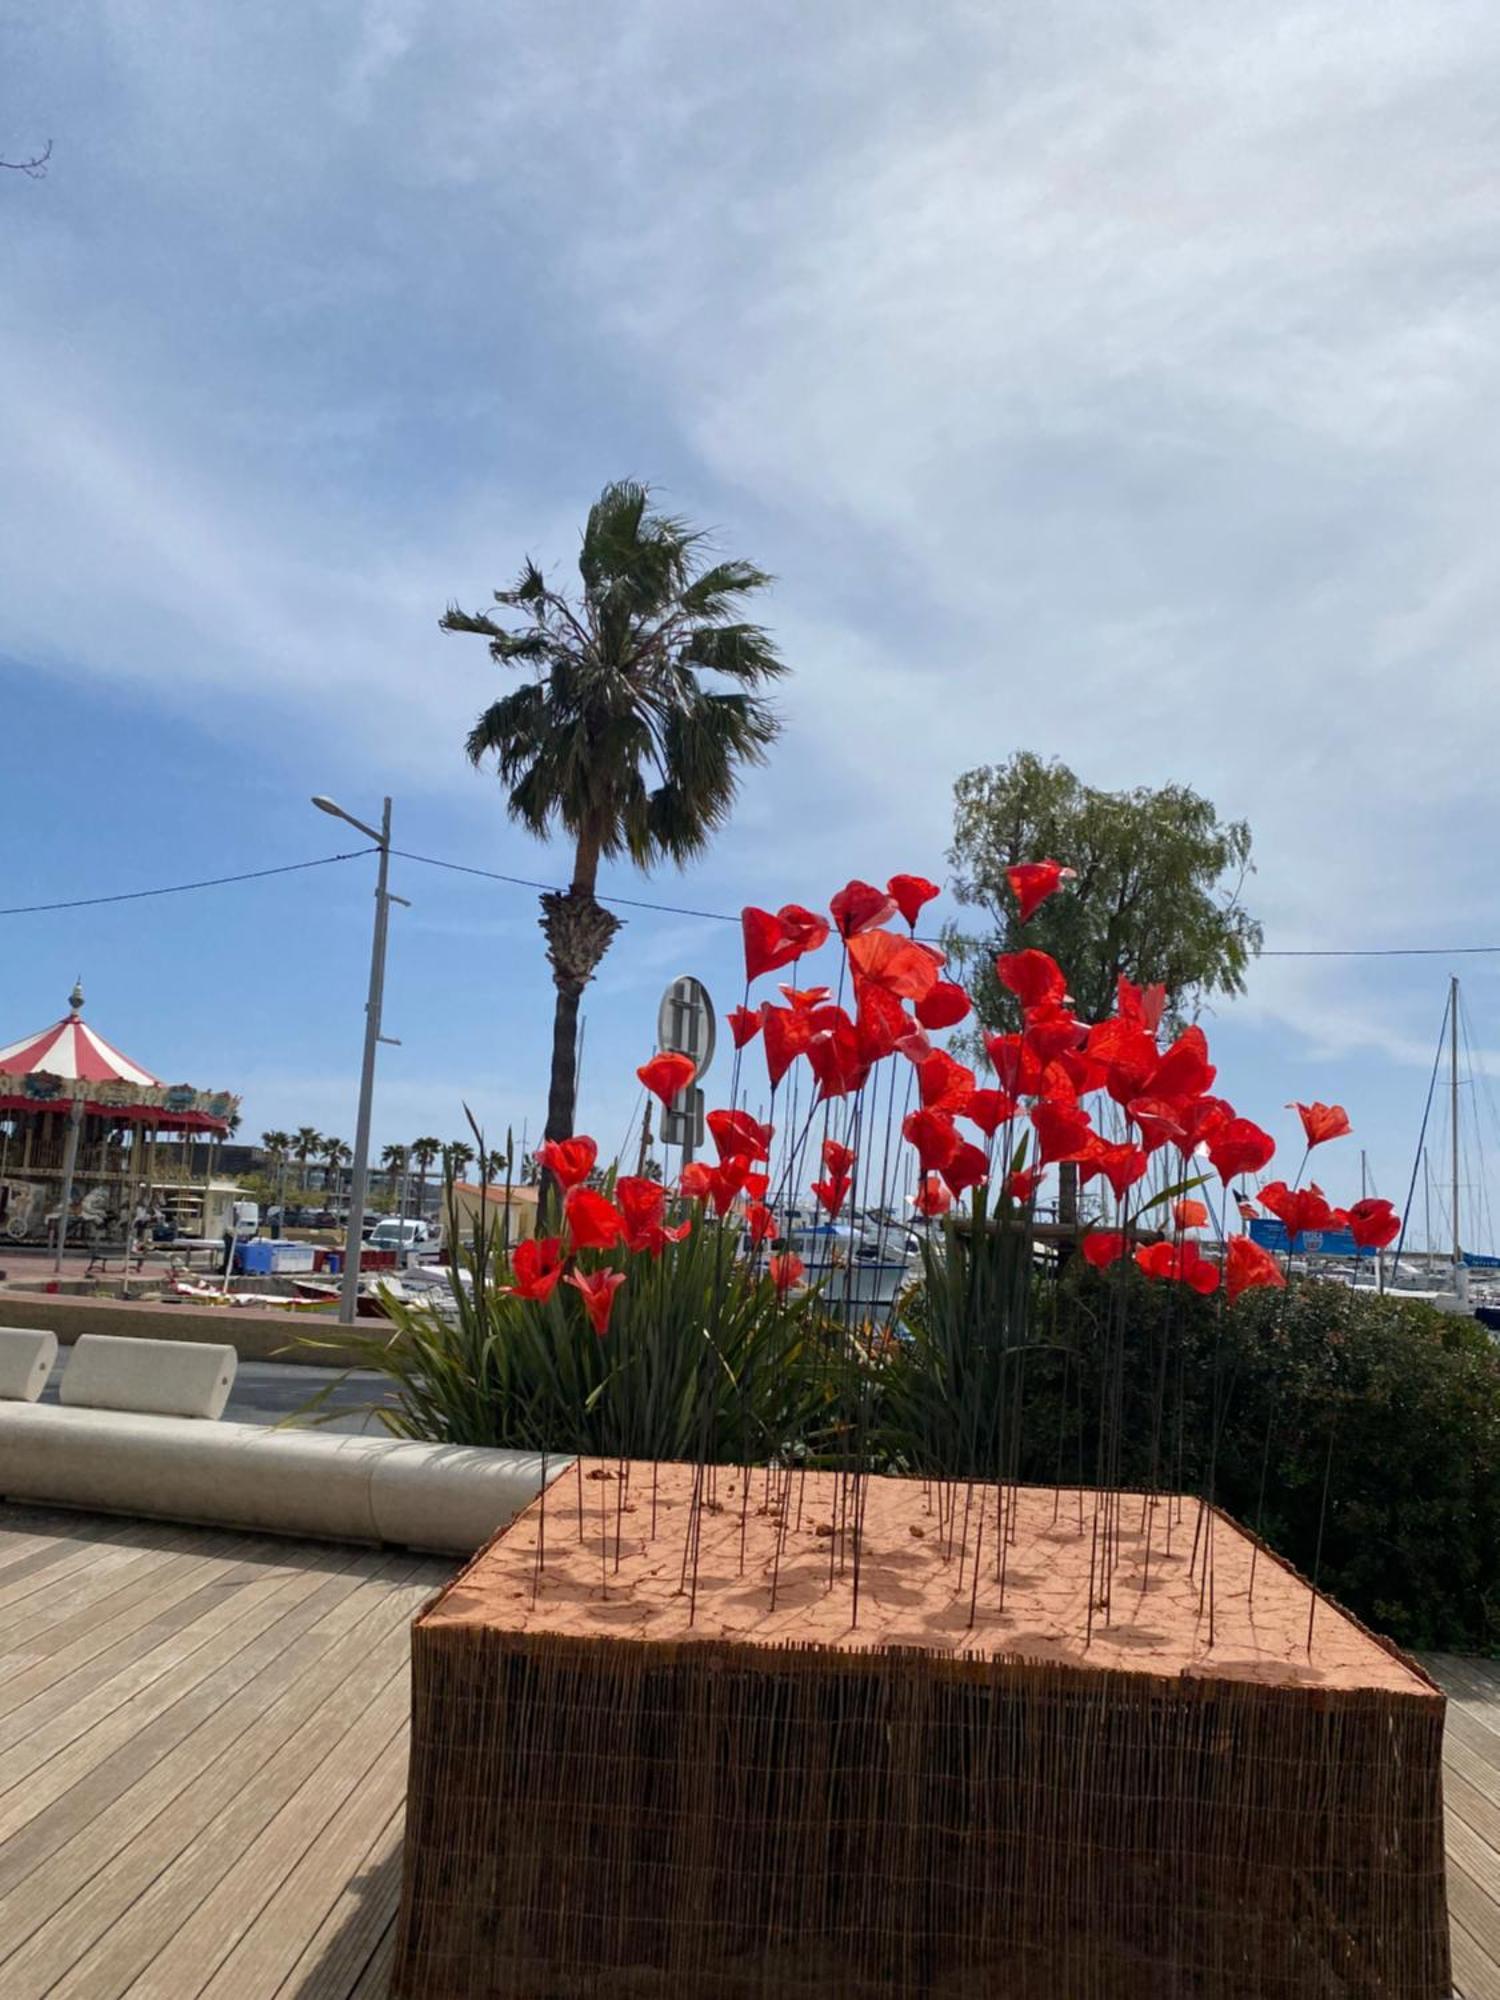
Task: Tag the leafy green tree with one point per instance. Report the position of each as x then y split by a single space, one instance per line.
1157 894
629 734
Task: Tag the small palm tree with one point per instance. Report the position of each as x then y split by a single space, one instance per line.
278 1145
631 733
334 1154
307 1144
458 1158
393 1159
424 1153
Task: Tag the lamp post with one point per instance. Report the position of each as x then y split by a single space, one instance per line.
360 1172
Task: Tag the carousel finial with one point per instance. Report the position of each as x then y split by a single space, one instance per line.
75 998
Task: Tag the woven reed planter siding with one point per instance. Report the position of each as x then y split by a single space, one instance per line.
605 1802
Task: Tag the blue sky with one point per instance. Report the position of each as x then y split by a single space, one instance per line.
1113 381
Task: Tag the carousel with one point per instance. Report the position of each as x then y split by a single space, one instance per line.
94 1148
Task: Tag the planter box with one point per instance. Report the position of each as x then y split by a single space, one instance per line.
620 1785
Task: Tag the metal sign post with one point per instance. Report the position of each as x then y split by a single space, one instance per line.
685 1025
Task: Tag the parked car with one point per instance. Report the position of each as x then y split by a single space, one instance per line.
411 1238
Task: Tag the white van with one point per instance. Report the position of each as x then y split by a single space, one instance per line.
408 1235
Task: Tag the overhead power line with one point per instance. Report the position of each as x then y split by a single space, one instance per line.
184 888
639 903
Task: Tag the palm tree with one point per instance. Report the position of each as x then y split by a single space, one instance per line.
278 1145
424 1153
307 1143
334 1154
393 1159
457 1158
624 738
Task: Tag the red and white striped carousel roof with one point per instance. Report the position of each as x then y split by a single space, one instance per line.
72 1050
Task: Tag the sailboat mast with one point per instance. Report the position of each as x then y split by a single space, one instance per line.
1453 1108
1427 1206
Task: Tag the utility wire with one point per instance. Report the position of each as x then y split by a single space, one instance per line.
182 888
641 903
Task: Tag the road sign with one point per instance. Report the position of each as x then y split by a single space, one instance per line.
685 1021
682 1120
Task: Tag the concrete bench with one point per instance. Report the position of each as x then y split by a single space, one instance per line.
447 1498
27 1358
161 1378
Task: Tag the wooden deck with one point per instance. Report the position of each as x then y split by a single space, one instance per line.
202 1766
202 1761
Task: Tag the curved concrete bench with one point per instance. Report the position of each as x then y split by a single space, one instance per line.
26 1360
448 1498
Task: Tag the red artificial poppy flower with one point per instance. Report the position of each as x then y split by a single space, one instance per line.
832 1193
900 965
1143 1006
1183 1262
838 1159
594 1223
788 1034
1016 1066
1053 1032
931 1197
1022 1184
1032 882
744 1024
967 1167
643 1204
860 906
1322 1121
916 1046
1247 1265
934 1136
1155 1121
1035 978
756 1185
944 1006
785 1269
806 930
760 1223
1129 1056
727 1181
1081 1070
1238 1147
1121 1165
806 997
1189 1214
536 1266
668 1074
943 1084
597 1290
736 1132
909 893
1300 1210
1103 1247
696 1181
1200 1119
1184 1071
834 1055
767 943
989 1110
1063 1131
880 1021
569 1161
1373 1223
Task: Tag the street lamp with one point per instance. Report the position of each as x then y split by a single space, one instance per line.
360 1173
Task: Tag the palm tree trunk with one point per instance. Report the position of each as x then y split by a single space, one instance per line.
578 930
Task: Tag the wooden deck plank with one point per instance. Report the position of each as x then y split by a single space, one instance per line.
148 1677
46 1633
334 1961
375 1980
341 1853
145 1774
205 1909
148 1861
1475 1974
